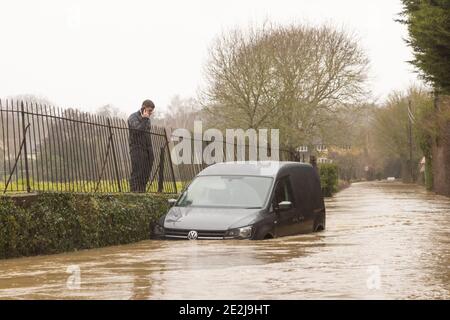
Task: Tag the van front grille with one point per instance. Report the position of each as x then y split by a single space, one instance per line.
202 234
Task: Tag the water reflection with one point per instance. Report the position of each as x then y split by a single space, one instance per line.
383 240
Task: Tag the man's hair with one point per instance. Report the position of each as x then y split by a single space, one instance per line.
148 104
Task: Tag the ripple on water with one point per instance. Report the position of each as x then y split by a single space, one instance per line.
399 233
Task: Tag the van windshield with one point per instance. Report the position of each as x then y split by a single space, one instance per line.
227 191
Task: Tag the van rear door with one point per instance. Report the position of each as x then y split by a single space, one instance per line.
305 193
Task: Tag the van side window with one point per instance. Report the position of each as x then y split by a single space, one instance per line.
283 192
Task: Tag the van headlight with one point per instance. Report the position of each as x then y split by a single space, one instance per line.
243 233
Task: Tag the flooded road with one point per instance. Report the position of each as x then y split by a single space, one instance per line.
383 240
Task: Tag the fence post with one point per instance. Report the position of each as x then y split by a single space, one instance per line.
171 163
25 150
313 162
161 171
116 168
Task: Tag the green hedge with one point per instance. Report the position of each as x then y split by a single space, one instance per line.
54 223
328 178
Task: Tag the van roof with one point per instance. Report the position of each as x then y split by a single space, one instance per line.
250 168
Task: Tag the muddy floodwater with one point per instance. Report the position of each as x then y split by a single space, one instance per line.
383 240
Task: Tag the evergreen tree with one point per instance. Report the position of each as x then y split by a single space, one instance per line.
428 24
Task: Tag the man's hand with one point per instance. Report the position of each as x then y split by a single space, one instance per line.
146 113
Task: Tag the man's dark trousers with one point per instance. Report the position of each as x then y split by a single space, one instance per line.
141 167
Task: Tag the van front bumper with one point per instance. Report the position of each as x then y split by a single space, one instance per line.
166 233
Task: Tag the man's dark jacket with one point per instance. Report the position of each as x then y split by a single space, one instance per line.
140 136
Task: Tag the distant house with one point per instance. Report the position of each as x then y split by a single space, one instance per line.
422 165
321 151
324 160
302 149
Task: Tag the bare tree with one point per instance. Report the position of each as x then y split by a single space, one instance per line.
181 113
395 135
110 111
287 77
241 80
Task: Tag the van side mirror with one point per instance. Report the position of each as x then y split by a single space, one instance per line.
284 205
172 202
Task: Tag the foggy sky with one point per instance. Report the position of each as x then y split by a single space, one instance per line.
87 54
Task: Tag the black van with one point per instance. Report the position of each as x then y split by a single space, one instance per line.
246 200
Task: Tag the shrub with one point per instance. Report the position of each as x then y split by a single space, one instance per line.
328 178
60 222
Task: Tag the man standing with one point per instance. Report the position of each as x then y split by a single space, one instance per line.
141 150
